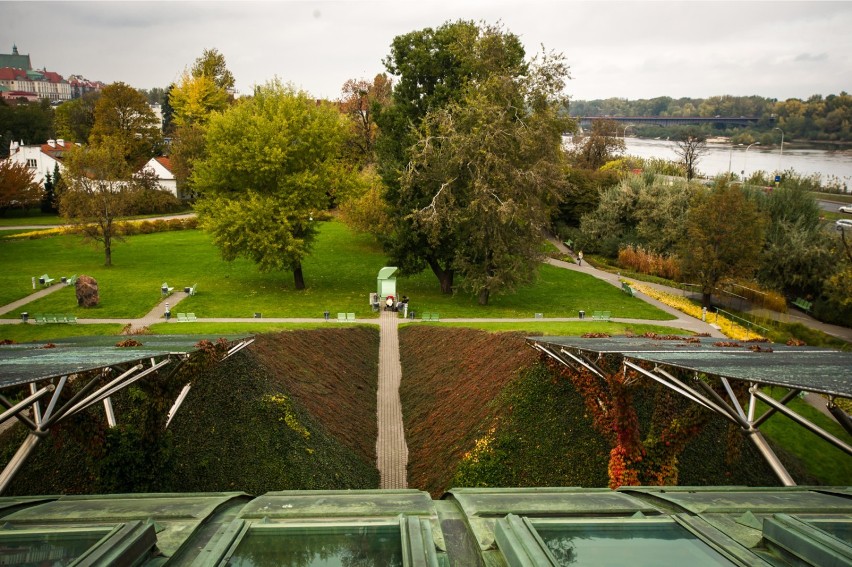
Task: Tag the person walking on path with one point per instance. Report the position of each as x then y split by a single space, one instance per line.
580 258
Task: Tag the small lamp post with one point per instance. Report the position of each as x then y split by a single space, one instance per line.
745 160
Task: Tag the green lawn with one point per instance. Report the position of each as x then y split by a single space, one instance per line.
340 275
33 219
565 329
30 333
829 464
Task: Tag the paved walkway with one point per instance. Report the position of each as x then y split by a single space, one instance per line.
32 297
391 449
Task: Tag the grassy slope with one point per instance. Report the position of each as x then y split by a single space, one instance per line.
340 274
249 424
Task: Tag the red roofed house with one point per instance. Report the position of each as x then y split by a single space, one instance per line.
162 168
40 158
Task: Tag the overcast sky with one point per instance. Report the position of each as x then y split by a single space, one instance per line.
629 50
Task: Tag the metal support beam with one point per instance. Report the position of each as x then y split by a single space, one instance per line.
682 390
110 414
21 417
813 428
740 419
181 397
17 461
66 407
237 348
585 363
53 399
771 458
36 405
735 403
771 411
842 418
16 409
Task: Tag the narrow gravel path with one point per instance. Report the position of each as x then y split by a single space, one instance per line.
391 449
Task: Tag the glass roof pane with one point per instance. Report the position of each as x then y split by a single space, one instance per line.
37 549
615 544
812 369
30 362
332 546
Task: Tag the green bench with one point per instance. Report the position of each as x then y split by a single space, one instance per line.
803 305
72 280
430 317
166 290
625 287
181 318
41 319
601 316
45 280
345 317
191 290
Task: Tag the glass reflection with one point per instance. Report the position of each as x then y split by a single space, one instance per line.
618 544
346 546
42 549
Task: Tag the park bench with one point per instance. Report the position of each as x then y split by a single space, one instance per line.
181 318
190 317
350 317
625 287
430 317
72 280
191 290
803 305
601 316
341 317
165 289
45 280
41 319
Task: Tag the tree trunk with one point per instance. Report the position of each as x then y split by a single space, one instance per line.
483 296
107 251
445 277
298 278
706 298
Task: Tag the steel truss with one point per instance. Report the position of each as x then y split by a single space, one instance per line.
701 393
40 422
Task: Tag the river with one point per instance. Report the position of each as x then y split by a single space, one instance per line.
829 165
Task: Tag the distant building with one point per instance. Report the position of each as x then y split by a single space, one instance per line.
19 80
41 159
15 60
80 85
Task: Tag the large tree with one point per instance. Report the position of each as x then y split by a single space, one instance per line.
30 122
258 197
75 118
433 67
122 114
493 165
724 236
194 99
98 185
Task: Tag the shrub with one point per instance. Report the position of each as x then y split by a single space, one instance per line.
640 260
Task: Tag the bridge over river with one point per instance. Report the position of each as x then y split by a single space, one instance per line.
586 121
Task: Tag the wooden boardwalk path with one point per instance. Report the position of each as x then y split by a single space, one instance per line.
391 449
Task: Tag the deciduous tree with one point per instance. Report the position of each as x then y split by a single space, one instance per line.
74 119
258 197
433 67
122 114
97 193
18 189
194 99
212 64
359 101
600 146
689 148
724 236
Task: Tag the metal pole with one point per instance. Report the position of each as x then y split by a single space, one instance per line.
15 464
110 414
771 458
745 160
54 399
804 422
17 408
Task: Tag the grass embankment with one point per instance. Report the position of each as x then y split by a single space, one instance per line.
557 328
295 411
480 410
